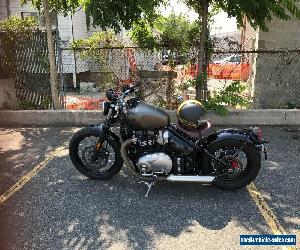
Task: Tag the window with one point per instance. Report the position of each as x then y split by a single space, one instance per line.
27 14
235 59
40 18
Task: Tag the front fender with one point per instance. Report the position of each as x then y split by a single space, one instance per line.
102 128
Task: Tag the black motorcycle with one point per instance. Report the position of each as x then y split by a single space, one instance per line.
153 149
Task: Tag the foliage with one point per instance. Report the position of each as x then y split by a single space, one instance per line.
258 12
61 6
231 96
114 14
102 39
174 31
291 105
142 35
105 13
15 28
97 49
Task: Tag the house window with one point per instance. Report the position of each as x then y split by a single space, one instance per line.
27 14
40 18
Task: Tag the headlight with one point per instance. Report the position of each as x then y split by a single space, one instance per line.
106 107
110 95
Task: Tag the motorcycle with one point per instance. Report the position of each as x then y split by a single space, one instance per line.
153 149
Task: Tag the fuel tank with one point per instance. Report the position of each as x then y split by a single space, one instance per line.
144 116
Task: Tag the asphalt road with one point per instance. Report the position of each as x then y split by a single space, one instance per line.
58 208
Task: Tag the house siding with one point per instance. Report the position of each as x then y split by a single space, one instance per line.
15 7
3 9
79 24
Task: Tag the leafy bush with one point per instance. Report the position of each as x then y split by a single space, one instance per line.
14 30
17 27
231 96
97 49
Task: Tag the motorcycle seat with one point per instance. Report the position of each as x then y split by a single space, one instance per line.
203 127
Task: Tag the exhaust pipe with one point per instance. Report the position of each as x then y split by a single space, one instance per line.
191 179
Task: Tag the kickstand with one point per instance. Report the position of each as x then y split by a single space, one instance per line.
149 185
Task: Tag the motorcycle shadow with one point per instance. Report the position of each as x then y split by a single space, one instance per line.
171 210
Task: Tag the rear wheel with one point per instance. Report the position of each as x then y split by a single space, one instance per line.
100 165
243 161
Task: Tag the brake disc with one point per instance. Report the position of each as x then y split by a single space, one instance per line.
87 154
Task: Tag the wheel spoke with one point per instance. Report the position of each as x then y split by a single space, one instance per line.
86 150
237 160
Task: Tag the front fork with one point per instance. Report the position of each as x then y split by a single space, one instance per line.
101 139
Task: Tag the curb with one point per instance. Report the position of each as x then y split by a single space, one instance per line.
271 117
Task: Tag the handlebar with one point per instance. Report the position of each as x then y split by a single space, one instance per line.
131 89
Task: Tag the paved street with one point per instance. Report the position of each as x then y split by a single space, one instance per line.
58 208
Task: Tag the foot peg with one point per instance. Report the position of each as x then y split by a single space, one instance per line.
149 185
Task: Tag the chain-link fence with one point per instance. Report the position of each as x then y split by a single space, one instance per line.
25 60
269 76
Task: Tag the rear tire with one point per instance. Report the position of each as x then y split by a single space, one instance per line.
82 167
251 169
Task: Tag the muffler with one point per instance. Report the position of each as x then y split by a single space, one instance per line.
191 179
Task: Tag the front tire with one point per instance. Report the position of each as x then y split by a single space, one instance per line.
250 170
94 172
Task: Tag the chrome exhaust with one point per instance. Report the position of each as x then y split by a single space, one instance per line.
191 179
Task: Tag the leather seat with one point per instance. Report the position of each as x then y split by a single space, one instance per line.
203 127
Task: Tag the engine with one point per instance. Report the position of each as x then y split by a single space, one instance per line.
161 153
157 163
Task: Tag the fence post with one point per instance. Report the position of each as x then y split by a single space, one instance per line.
60 68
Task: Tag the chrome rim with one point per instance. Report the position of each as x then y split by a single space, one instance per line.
236 159
105 160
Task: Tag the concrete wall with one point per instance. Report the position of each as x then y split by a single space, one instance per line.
7 94
82 118
277 80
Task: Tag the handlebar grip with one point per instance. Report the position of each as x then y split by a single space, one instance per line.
138 83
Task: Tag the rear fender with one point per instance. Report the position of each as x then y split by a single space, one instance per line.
223 135
230 134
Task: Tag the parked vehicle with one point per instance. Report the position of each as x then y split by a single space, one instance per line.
153 149
231 67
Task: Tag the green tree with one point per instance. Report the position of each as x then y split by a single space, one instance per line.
258 13
176 35
114 14
105 13
175 32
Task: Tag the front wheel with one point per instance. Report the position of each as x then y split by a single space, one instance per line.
243 161
99 165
